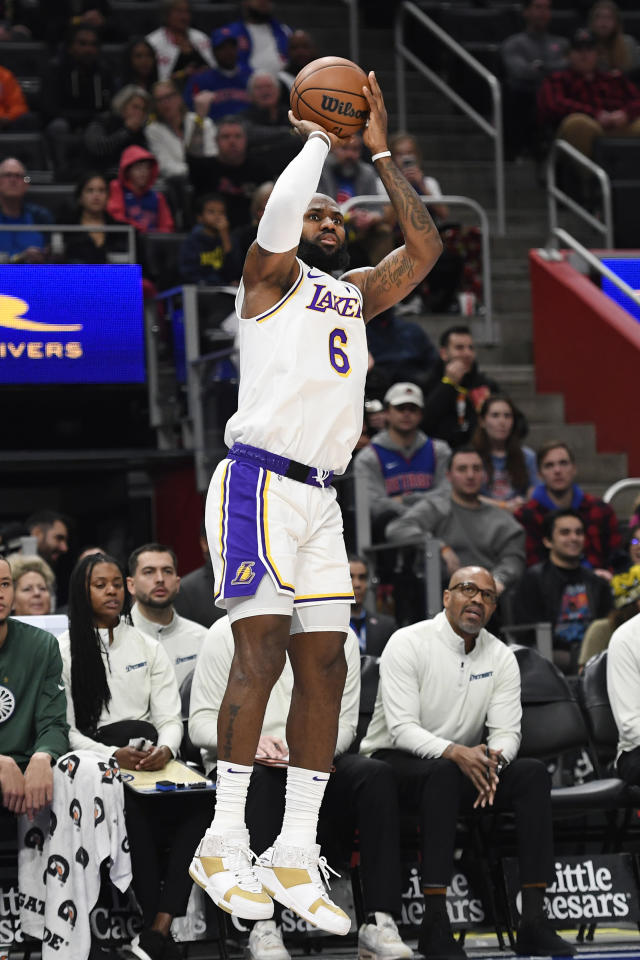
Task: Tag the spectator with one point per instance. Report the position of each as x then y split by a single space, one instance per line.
223 88
266 107
401 463
77 86
87 13
232 174
302 50
180 50
140 64
442 683
359 795
437 292
108 135
262 40
14 112
34 730
510 467
90 210
400 348
528 57
132 198
557 469
616 50
153 582
583 103
33 585
375 415
195 599
243 236
625 588
623 674
25 246
372 629
120 685
560 590
51 530
205 252
471 531
176 134
456 389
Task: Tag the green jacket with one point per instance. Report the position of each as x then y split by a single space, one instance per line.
33 705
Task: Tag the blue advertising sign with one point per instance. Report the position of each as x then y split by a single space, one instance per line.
71 324
628 269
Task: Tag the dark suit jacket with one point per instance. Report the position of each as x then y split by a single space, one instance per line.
195 597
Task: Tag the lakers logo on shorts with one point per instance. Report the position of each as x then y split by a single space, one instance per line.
245 572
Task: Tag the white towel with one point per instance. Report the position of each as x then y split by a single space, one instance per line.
61 850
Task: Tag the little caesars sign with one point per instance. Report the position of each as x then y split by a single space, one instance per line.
585 890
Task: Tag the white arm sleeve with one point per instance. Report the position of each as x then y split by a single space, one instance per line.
281 224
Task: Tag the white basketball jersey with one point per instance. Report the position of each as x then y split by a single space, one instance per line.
303 365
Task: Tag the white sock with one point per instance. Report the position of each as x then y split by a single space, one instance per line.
305 790
232 783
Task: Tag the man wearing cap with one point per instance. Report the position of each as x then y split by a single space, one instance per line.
561 590
401 462
623 685
582 103
227 83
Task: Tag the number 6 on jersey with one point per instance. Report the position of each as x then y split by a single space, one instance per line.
339 359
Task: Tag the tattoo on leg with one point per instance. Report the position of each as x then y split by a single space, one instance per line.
234 710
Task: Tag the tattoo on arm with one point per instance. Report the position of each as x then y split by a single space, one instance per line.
395 271
234 710
410 210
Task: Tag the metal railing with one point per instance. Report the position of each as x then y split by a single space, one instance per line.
489 334
559 235
493 130
554 193
629 483
60 228
354 30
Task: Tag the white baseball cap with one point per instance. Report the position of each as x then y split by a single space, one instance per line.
404 393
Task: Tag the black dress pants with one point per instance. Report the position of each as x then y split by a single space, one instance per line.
361 794
438 792
163 835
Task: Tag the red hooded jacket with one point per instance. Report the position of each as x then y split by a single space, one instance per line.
146 210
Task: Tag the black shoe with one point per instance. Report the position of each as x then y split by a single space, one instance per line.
151 945
436 941
538 938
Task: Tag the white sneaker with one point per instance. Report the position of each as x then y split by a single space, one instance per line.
381 940
265 942
222 866
292 876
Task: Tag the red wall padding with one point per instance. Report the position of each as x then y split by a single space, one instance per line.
587 348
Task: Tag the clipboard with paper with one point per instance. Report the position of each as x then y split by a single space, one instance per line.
176 776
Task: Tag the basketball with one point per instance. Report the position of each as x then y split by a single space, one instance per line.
328 91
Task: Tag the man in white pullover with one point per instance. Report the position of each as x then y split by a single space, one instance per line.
360 794
442 682
154 583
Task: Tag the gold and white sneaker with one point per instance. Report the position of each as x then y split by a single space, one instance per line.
292 876
222 866
381 940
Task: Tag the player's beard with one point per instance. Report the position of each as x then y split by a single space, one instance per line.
314 256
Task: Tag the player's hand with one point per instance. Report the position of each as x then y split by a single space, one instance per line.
272 748
375 132
38 784
155 759
305 127
11 785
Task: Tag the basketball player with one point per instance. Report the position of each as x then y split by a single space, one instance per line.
273 524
